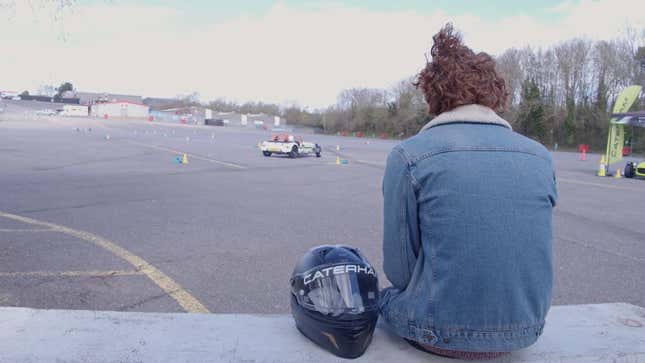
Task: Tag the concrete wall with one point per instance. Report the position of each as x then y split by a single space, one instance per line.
573 334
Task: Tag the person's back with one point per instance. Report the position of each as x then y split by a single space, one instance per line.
467 235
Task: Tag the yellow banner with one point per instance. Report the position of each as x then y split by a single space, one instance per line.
616 142
616 138
625 99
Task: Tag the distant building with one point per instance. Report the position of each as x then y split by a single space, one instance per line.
158 104
55 99
246 120
187 114
119 109
89 98
8 94
74 110
68 94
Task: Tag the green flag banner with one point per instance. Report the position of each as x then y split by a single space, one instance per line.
616 138
615 143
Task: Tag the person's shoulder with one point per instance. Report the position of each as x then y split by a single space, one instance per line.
532 146
414 145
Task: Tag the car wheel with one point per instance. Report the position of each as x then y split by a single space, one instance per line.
629 170
294 152
266 153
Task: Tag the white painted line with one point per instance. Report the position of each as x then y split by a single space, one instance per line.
571 181
26 230
179 152
70 273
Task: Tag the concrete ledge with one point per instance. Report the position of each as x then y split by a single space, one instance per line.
580 333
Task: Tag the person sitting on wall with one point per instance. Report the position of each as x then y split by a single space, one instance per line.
467 217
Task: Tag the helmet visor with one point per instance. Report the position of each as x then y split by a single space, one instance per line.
337 289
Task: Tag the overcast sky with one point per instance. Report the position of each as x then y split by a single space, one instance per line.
301 52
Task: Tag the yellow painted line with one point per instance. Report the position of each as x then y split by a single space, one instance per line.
193 156
571 181
25 230
70 273
172 288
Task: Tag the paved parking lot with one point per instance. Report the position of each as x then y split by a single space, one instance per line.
88 222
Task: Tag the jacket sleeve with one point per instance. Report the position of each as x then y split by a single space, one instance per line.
400 222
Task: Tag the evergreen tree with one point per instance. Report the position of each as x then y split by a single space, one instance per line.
570 121
531 117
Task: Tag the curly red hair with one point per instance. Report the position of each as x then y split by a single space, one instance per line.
457 76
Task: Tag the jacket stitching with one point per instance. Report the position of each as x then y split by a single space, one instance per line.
409 165
475 148
433 270
403 231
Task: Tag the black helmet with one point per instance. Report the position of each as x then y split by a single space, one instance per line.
334 299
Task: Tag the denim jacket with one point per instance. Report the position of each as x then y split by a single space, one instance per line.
467 234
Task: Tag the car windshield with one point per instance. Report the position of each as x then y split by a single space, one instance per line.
282 138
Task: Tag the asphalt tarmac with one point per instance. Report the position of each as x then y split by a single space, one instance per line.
94 222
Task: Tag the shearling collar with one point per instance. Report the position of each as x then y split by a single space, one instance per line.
468 113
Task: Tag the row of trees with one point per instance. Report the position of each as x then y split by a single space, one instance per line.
564 94
561 95
51 91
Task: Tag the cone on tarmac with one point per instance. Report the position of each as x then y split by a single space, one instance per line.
602 169
617 174
184 159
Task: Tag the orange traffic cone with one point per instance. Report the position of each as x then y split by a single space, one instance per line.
617 175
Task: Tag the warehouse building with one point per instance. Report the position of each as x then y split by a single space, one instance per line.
259 120
119 109
88 98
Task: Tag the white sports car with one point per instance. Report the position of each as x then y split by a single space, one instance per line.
289 145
